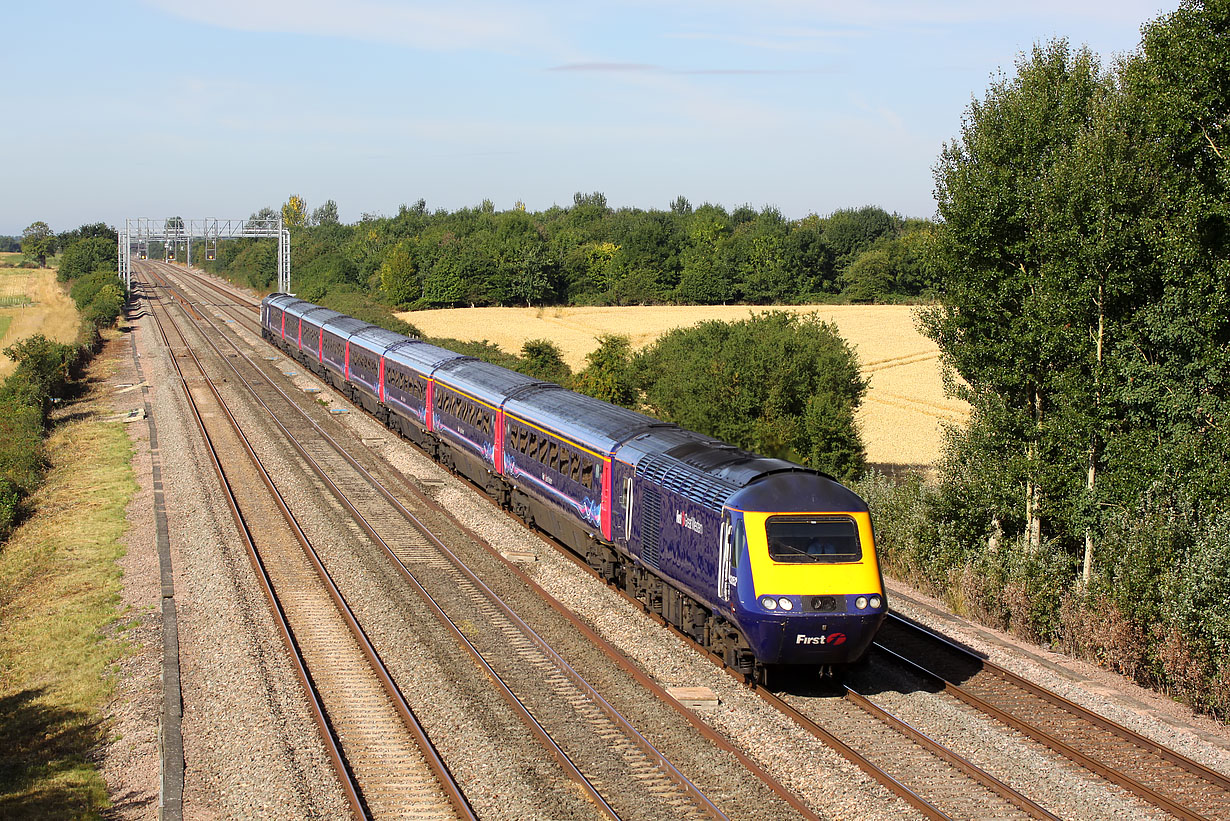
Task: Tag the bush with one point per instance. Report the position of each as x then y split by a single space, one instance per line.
609 373
87 256
10 501
542 359
42 369
21 436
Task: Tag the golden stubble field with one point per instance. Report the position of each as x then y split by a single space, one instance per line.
905 406
33 302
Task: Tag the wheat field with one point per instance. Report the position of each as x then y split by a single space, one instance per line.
36 304
902 415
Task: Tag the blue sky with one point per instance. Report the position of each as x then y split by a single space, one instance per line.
215 108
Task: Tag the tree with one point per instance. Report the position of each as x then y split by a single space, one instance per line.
326 214
87 256
777 383
95 230
399 274
850 231
37 242
996 327
294 212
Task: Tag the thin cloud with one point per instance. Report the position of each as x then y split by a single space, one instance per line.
648 68
618 68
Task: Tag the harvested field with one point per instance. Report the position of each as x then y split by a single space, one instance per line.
34 303
905 405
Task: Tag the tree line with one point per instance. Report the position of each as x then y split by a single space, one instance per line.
1084 251
591 254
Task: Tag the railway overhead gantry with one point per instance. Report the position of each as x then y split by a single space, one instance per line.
173 232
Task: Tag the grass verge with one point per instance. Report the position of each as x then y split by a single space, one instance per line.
5 322
59 589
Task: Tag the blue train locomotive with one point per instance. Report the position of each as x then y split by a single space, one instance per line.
761 560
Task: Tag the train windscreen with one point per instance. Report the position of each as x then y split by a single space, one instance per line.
813 539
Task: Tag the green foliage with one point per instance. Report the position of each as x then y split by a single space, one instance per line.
94 230
399 274
850 231
325 214
21 435
609 373
777 383
42 365
86 256
587 254
1081 262
543 359
363 307
38 242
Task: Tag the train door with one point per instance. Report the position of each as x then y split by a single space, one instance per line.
628 486
726 550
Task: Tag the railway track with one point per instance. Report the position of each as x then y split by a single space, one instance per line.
382 758
938 782
533 677
1170 781
946 785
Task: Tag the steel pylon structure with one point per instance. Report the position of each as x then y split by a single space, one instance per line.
173 232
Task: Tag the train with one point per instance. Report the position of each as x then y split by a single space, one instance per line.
768 564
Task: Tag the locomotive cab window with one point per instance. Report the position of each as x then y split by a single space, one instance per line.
813 539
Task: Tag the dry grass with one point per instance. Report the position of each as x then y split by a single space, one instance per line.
905 405
59 585
46 309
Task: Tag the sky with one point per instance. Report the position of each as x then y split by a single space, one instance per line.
216 108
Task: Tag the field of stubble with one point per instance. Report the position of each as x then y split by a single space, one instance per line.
905 405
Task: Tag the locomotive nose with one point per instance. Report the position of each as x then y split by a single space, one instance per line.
824 604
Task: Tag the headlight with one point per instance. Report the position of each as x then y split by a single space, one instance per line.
861 602
875 602
785 603
768 604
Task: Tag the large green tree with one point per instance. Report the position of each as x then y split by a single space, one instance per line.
778 383
1084 250
996 326
38 242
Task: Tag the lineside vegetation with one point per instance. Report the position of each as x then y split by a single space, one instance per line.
65 481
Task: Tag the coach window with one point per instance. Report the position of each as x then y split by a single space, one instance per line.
587 473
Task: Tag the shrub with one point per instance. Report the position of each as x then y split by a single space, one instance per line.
609 374
543 359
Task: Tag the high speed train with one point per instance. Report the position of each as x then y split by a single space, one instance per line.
765 562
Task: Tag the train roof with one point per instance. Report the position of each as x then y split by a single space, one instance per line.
701 468
281 300
420 356
583 419
318 316
377 339
797 491
482 380
345 326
